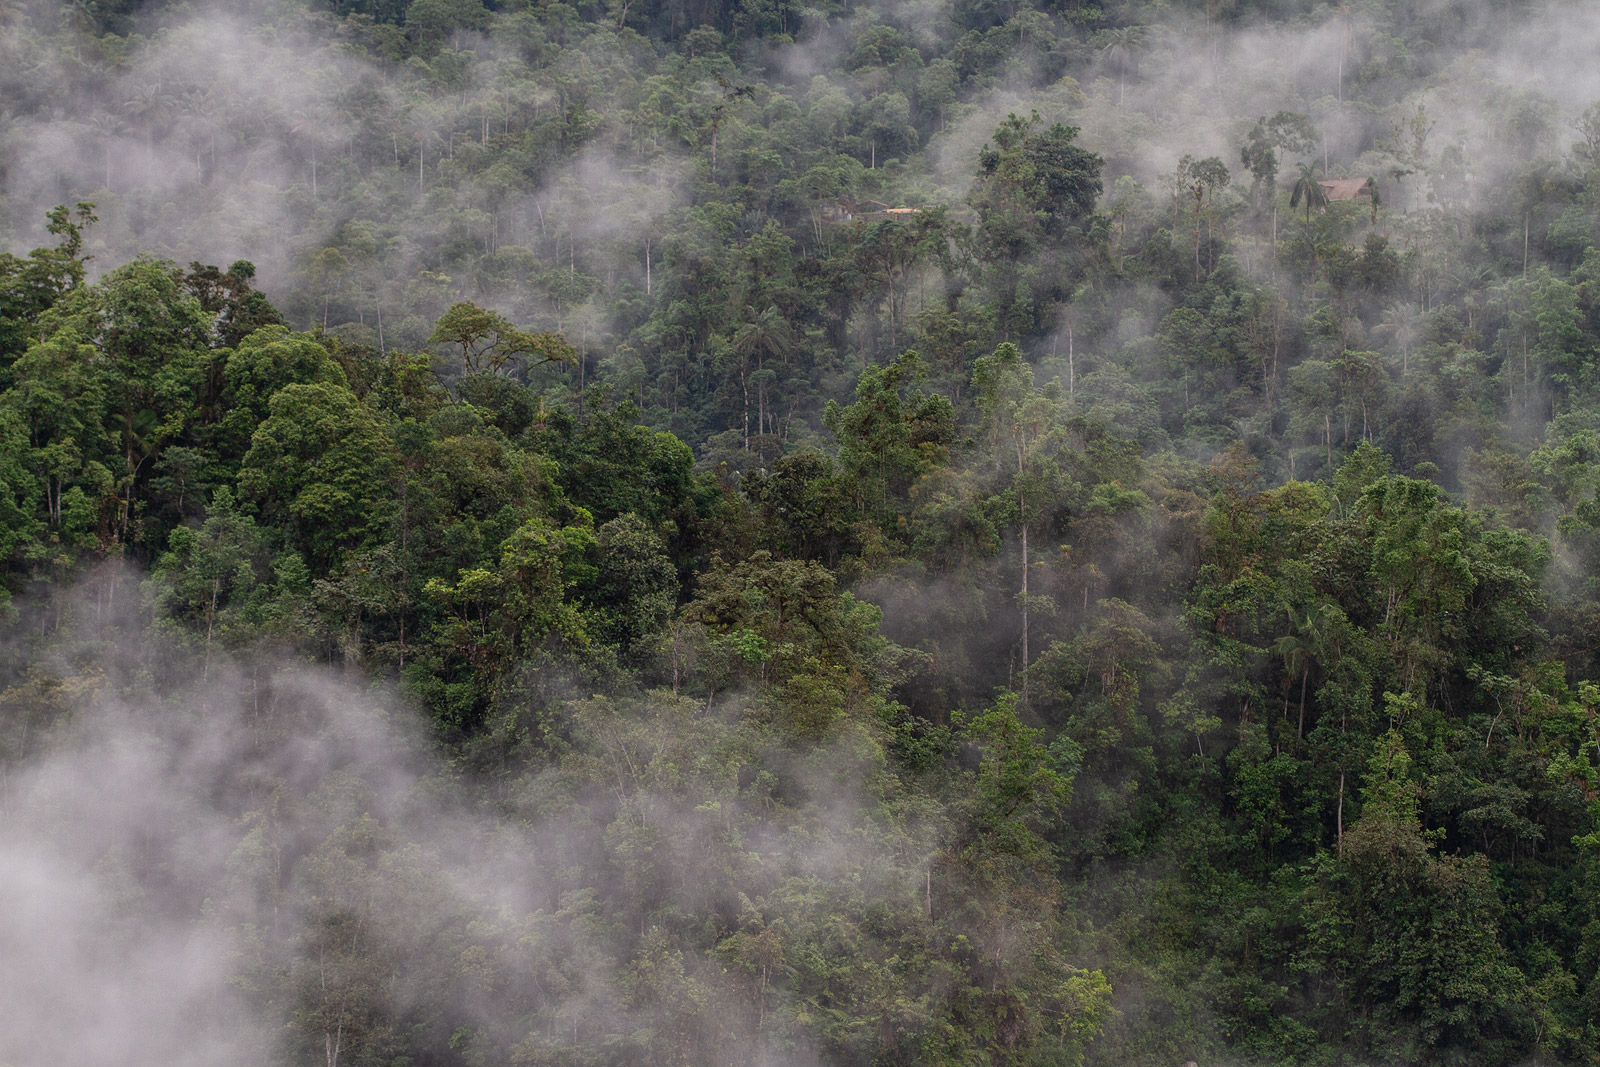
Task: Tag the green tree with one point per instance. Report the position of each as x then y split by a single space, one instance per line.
31 285
891 436
1308 191
487 341
319 466
1412 937
1034 191
206 577
636 585
1023 427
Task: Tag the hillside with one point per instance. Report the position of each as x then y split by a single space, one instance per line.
885 533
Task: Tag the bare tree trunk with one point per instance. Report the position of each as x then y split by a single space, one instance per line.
1340 830
677 673
211 624
1022 516
1072 376
1024 614
1305 671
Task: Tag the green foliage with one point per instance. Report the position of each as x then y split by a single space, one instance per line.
318 466
487 342
1058 612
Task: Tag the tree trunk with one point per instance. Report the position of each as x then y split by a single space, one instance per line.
1340 829
1022 515
1305 672
1072 377
1024 612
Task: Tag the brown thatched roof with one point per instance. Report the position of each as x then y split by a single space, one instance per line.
1345 188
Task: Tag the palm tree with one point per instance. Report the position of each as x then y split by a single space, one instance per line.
767 334
151 104
84 19
1472 280
106 127
1347 28
1118 47
1307 188
1402 321
199 122
308 120
1295 651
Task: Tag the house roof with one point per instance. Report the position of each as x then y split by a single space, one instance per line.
873 207
1344 188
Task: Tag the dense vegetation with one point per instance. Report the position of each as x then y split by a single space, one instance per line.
1126 608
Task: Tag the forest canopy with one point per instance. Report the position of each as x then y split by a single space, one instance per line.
871 533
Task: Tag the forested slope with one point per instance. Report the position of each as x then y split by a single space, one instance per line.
861 534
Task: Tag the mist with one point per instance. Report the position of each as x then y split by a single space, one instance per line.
274 860
260 131
986 574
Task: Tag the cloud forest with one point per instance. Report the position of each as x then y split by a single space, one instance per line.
955 533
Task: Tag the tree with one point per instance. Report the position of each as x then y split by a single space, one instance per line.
1118 46
1307 190
763 335
259 366
19 491
1403 322
1022 424
206 576
57 407
1033 195
890 249
1412 938
891 436
488 342
1374 198
1286 131
636 585
319 466
31 286
1201 179
144 342
229 295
